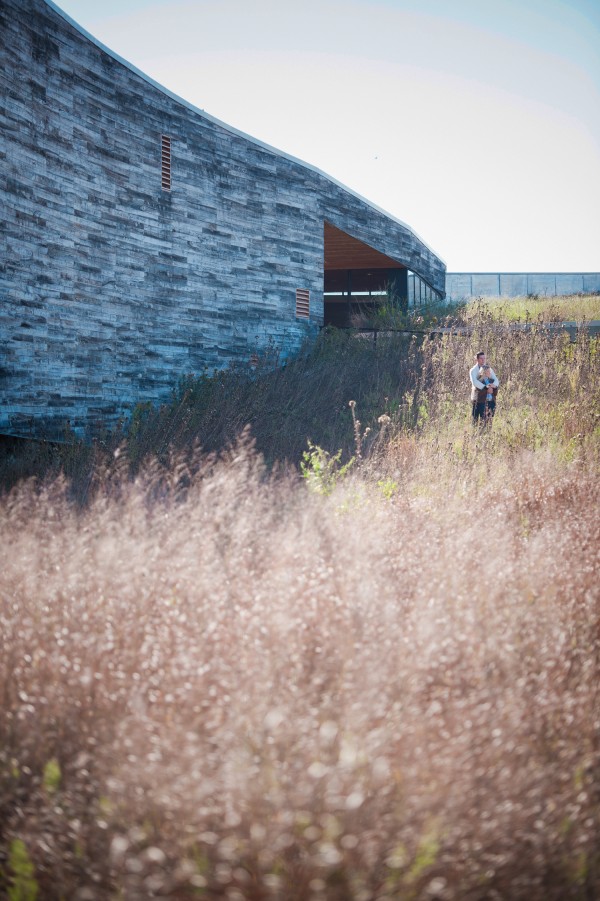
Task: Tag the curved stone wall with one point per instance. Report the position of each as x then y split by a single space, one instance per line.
111 287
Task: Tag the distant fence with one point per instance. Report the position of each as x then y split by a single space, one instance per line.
519 284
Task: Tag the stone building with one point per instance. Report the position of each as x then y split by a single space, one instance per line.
143 240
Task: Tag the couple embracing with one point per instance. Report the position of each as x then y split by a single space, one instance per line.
484 387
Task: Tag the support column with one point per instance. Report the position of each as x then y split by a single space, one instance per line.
398 282
349 308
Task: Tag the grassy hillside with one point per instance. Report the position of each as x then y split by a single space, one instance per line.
574 308
224 677
308 398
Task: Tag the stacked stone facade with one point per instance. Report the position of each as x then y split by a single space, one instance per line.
112 288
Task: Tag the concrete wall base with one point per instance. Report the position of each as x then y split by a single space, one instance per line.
519 284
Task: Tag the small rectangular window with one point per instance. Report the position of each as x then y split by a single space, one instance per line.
165 163
302 303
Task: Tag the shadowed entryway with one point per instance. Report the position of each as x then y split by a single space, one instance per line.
357 277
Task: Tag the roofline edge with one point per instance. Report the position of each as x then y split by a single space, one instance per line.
230 128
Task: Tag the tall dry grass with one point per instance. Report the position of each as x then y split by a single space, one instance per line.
535 308
217 683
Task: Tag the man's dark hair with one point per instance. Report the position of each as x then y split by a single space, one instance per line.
480 353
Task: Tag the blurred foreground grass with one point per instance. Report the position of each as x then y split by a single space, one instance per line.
379 681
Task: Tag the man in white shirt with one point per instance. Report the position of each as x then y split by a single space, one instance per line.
478 408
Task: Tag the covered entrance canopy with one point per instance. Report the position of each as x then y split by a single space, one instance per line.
357 277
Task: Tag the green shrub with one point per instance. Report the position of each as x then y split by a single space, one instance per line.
22 882
322 471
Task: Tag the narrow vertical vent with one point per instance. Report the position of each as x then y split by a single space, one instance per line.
302 303
165 163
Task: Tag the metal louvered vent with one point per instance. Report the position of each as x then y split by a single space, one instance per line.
302 303
165 163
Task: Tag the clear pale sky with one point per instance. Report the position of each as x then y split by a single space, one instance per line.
476 122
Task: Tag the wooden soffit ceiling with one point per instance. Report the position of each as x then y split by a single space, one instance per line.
342 251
